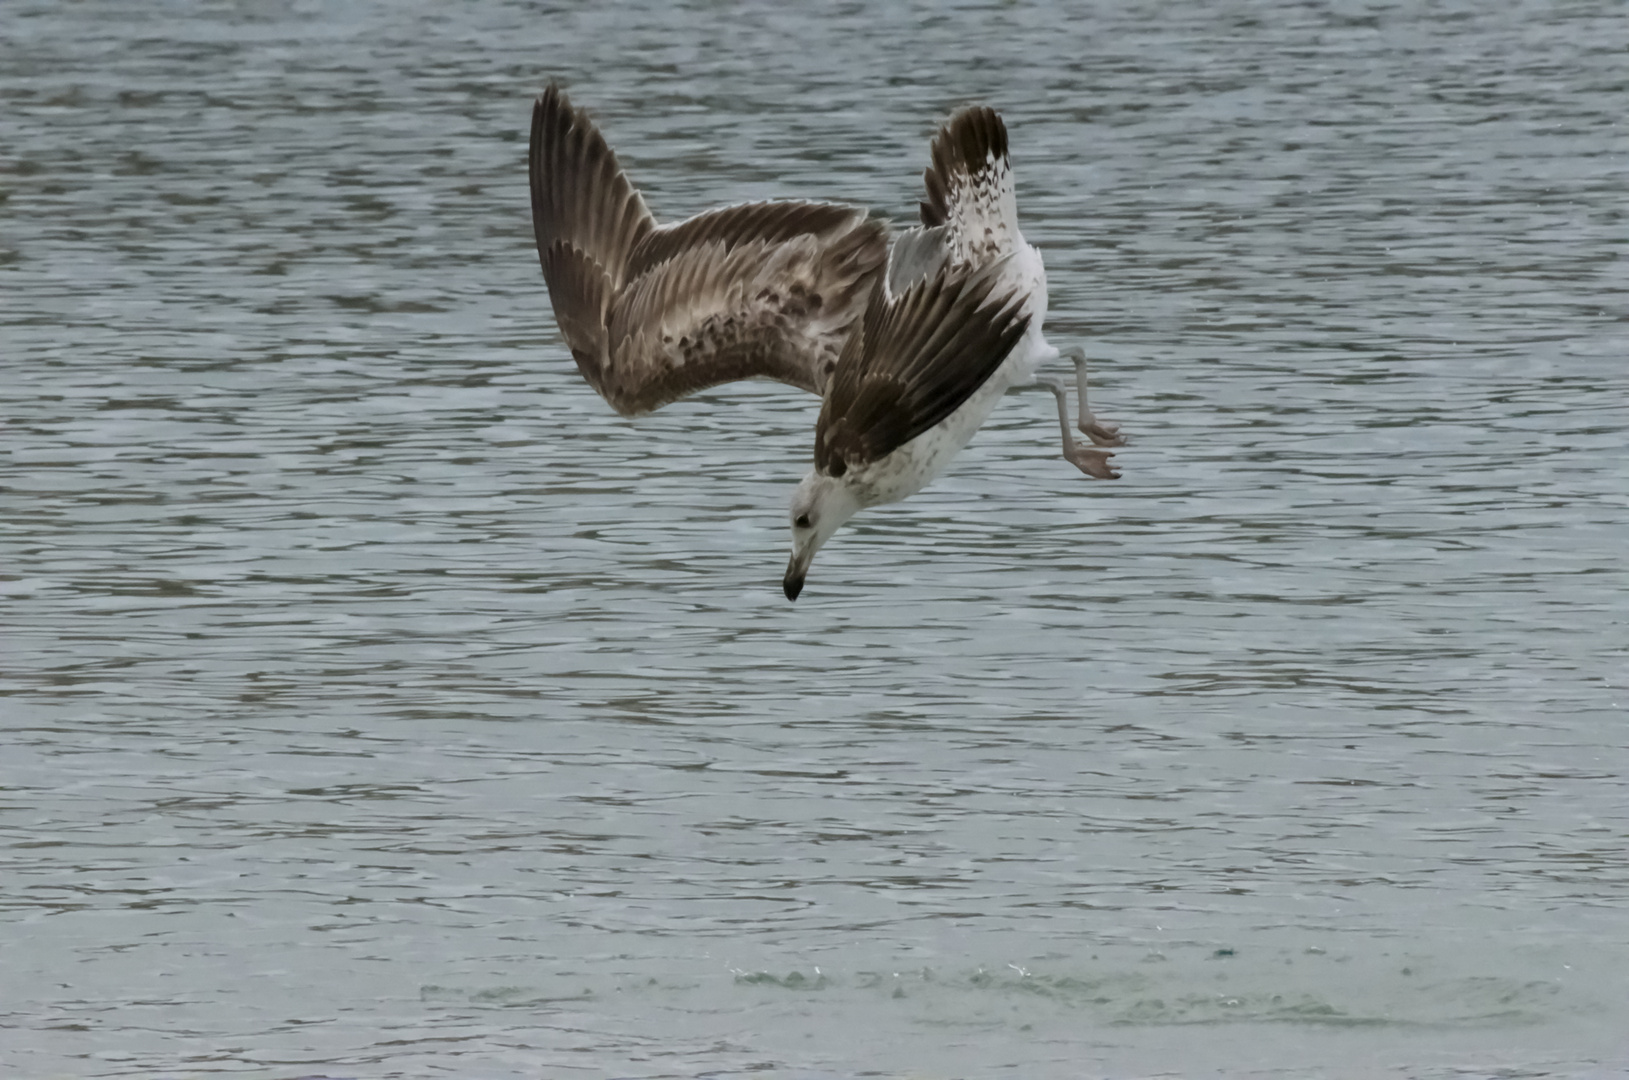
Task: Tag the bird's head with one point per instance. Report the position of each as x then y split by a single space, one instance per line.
820 505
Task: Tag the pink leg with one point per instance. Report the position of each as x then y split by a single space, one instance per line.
1089 461
1101 432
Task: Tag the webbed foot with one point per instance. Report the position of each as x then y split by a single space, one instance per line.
1103 432
1094 463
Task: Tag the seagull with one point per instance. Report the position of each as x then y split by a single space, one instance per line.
886 428
909 346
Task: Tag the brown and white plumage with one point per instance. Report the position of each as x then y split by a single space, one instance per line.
914 360
654 312
970 187
910 347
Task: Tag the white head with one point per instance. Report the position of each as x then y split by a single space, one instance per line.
820 505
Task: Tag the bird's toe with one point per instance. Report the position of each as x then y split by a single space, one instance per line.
1094 463
1103 432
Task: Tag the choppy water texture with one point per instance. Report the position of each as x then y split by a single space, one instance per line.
377 703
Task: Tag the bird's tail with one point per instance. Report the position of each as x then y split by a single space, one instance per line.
970 187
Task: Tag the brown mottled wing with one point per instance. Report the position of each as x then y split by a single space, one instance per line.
766 290
769 222
963 148
916 360
588 220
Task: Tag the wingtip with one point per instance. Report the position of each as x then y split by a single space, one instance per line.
553 102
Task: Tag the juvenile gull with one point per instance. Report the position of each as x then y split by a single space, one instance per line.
654 312
910 348
891 423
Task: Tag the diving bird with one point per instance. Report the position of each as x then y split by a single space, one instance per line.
909 346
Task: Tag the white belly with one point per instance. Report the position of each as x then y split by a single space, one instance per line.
1029 273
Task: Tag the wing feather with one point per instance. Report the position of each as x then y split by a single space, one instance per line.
587 217
762 290
917 254
916 360
581 292
580 195
652 313
770 222
728 308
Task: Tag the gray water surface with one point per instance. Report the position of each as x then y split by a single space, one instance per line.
377 703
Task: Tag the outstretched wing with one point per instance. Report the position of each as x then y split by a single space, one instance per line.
915 360
767 290
652 313
970 187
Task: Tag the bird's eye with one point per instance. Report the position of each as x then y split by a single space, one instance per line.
802 521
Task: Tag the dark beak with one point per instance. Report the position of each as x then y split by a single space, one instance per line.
797 568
